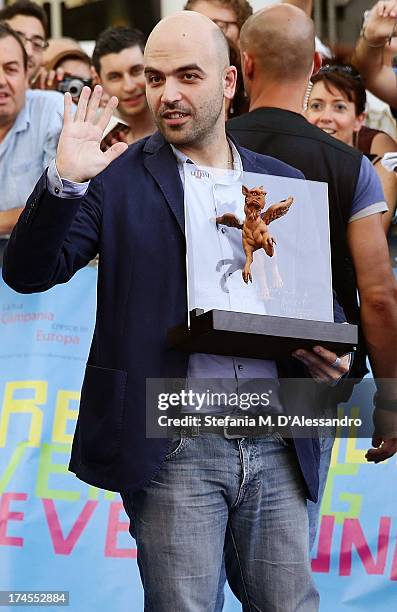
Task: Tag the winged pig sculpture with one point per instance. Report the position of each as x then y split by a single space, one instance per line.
255 227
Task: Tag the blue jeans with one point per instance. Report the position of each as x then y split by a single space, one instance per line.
246 495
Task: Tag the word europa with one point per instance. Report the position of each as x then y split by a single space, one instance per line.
42 336
193 399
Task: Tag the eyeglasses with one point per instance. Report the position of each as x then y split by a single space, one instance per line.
38 43
225 25
345 70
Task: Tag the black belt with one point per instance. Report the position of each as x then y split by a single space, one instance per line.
228 431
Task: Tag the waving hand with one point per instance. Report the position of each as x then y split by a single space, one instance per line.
79 156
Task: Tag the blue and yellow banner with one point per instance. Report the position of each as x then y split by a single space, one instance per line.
59 534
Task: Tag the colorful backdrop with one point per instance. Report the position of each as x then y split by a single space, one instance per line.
57 533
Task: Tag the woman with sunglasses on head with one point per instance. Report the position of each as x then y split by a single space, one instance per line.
337 105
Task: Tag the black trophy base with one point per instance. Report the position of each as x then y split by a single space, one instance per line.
221 332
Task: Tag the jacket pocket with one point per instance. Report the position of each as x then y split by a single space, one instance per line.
101 413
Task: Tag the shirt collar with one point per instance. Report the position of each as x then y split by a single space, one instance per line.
181 158
237 163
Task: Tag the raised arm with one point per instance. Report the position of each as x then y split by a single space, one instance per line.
368 57
378 304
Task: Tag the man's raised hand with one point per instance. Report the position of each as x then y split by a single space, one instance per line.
79 156
380 25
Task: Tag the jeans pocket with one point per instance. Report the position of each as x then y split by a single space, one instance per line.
178 444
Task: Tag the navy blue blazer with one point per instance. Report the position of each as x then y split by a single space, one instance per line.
133 216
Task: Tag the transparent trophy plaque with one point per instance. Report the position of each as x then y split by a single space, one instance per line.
258 266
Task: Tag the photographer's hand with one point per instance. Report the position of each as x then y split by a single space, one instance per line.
79 156
54 77
380 25
47 79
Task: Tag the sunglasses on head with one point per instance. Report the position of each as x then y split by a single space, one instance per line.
345 70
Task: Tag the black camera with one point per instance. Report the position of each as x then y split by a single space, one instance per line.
73 85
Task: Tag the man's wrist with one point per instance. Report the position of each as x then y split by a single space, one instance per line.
64 174
375 42
62 187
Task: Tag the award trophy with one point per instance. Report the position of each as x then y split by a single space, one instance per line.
258 267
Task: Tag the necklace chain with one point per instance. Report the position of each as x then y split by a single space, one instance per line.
230 162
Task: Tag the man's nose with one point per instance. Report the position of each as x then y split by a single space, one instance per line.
171 92
29 48
3 81
129 83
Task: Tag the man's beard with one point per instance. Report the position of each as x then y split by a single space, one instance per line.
198 128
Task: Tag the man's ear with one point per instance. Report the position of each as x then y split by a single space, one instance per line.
229 82
317 62
247 66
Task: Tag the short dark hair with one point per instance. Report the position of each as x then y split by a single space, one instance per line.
346 79
115 40
6 30
242 8
27 8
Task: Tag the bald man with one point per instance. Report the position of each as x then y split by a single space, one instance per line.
187 496
307 7
277 84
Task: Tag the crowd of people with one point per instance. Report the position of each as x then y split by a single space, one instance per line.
285 95
117 64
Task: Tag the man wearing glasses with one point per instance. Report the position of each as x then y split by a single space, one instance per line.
29 20
229 15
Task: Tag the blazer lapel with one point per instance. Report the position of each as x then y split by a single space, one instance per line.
160 162
250 161
162 165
